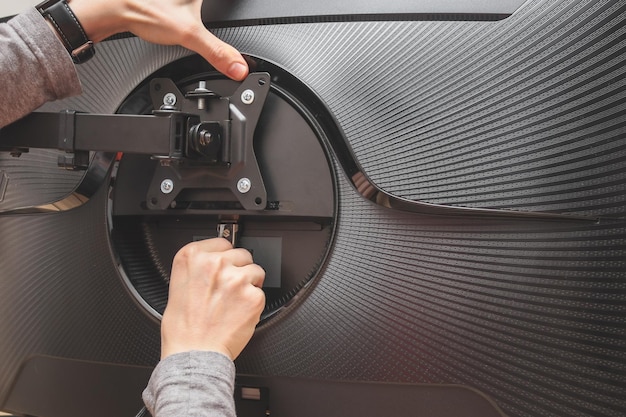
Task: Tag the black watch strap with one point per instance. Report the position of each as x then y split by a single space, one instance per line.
70 31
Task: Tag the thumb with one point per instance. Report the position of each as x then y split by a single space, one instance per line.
218 53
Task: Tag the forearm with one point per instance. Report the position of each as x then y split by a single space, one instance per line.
194 383
201 334
102 18
35 66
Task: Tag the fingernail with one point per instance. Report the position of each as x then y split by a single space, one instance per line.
237 71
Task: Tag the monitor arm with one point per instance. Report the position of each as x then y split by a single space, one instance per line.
212 151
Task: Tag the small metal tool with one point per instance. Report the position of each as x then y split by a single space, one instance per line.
228 231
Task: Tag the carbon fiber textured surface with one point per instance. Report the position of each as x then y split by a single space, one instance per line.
530 313
23 186
61 294
525 114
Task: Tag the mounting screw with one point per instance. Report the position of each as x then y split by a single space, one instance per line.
167 186
244 185
169 99
201 89
247 97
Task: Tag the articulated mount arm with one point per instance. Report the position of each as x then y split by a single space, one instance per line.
210 148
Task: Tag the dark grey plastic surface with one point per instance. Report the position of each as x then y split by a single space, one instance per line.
104 390
225 12
58 387
313 398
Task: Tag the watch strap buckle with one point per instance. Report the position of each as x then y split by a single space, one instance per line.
69 29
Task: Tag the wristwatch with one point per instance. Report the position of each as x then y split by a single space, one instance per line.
68 27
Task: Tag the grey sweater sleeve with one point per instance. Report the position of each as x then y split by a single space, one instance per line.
192 384
34 66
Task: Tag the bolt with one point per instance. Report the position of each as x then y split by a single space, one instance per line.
244 185
169 99
205 137
167 186
201 89
247 97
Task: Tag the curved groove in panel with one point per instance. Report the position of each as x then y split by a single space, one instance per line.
519 116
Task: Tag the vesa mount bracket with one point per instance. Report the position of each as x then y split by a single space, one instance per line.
208 148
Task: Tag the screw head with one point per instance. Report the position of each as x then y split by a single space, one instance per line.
169 99
244 185
167 186
247 97
205 138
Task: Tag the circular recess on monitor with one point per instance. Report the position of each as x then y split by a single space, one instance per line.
157 205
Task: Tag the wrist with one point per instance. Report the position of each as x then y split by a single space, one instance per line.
68 29
100 19
169 350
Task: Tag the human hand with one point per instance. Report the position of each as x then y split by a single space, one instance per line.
165 22
215 299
